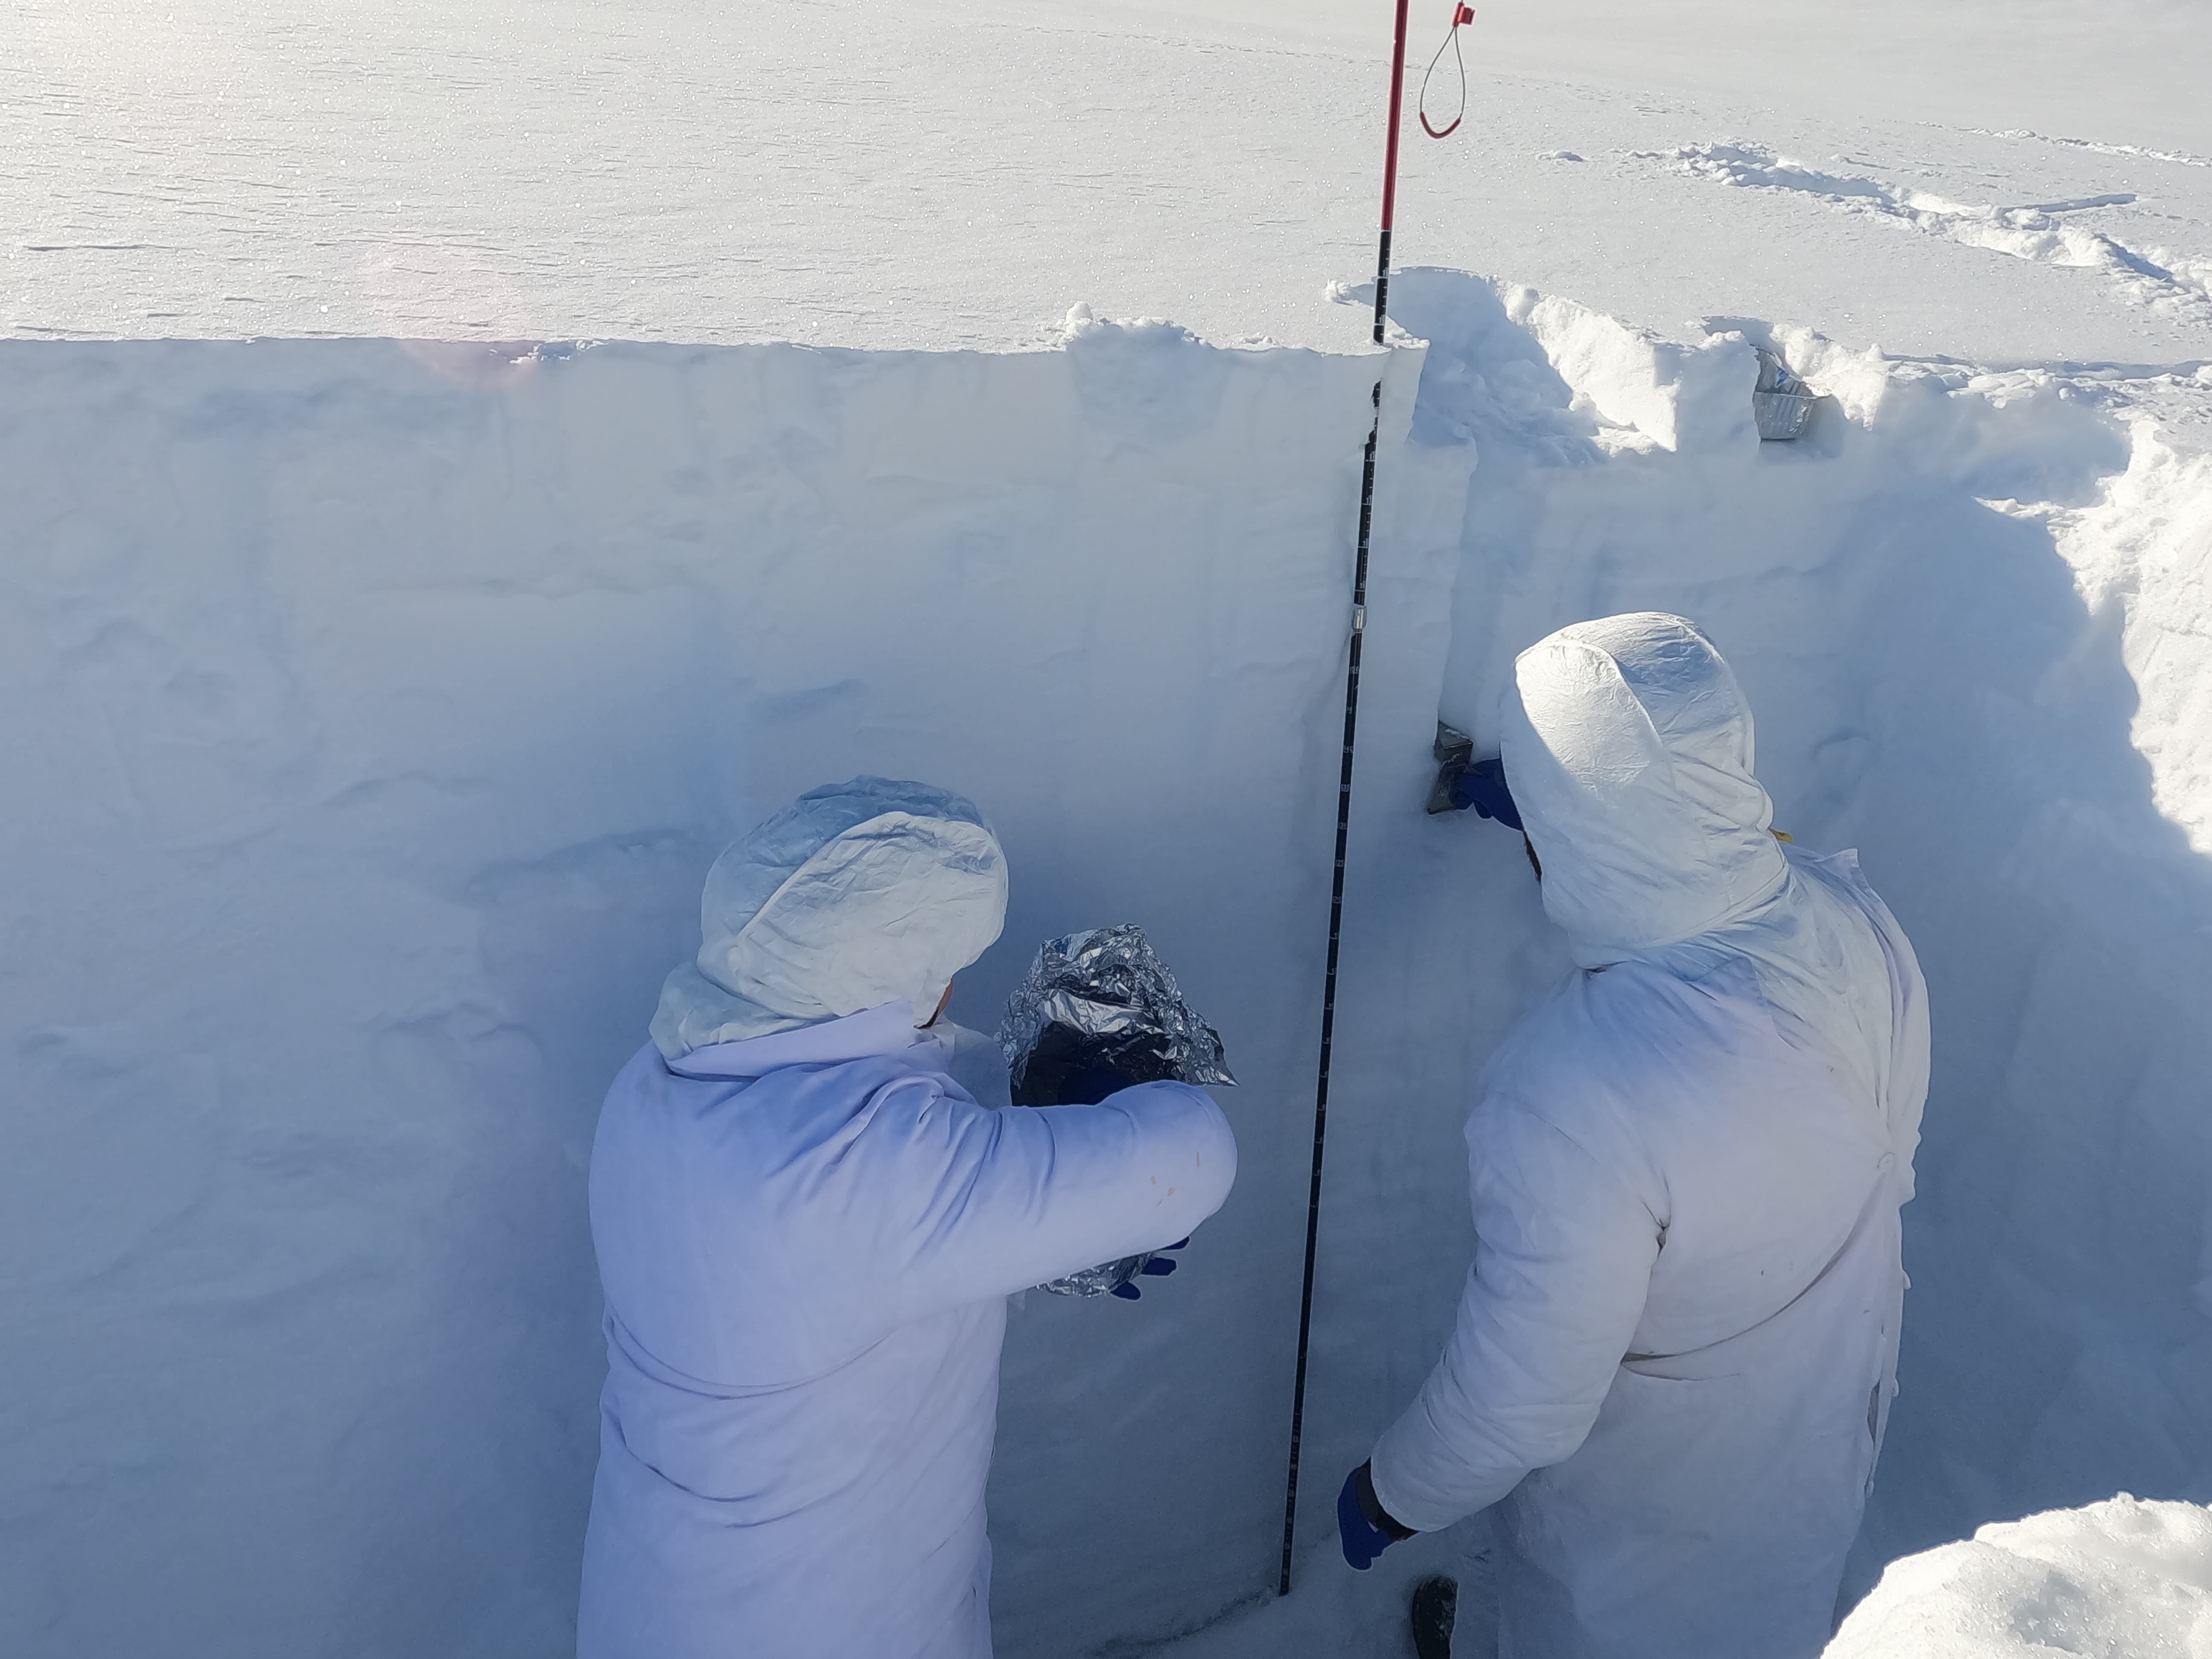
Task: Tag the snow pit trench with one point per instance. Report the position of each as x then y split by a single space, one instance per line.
374 713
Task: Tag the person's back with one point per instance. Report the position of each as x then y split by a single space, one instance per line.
1674 1352
806 1240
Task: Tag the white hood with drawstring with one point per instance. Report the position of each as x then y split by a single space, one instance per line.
1674 1354
808 1219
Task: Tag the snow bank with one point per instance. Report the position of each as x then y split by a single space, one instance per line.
374 712
2118 1580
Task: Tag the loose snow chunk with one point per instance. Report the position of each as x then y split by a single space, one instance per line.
2122 1579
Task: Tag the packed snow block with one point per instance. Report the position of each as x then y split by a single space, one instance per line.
372 713
1649 391
1413 1007
2142 550
2121 1579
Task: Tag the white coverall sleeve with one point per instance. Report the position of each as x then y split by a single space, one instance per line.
1564 1255
1029 1194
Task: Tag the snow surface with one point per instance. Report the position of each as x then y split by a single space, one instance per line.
958 173
371 711
2116 1580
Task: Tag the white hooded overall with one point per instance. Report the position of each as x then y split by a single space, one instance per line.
1675 1351
807 1227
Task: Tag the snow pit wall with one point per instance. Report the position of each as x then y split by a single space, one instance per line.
1971 613
374 712
372 716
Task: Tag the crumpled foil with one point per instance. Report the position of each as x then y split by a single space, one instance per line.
1101 999
1781 404
1101 1280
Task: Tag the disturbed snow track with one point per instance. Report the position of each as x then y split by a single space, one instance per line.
2172 284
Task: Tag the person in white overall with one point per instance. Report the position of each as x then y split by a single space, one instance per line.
807 1229
1675 1351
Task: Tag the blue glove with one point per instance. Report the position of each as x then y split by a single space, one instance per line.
1156 1267
1482 787
1363 1525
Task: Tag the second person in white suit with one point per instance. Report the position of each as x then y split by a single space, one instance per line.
1676 1348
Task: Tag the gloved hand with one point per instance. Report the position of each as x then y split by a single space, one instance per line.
1156 1267
1482 786
1363 1525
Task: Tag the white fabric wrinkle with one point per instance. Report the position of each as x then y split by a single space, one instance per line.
973 1061
1807 954
882 1030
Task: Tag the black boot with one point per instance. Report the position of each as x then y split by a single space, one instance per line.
1435 1607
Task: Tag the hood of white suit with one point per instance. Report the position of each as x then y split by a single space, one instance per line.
1628 749
856 895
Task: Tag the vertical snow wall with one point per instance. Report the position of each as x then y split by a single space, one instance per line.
372 713
1970 612
371 717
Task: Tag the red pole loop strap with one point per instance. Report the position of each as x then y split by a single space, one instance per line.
1461 13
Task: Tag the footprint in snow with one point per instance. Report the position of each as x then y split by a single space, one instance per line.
2039 232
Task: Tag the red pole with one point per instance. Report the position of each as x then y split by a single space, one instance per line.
1390 172
1343 822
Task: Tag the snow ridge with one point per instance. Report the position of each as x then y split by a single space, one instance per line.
2041 231
2179 157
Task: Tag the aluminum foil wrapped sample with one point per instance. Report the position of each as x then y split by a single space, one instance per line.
1101 1280
1781 402
1100 1000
